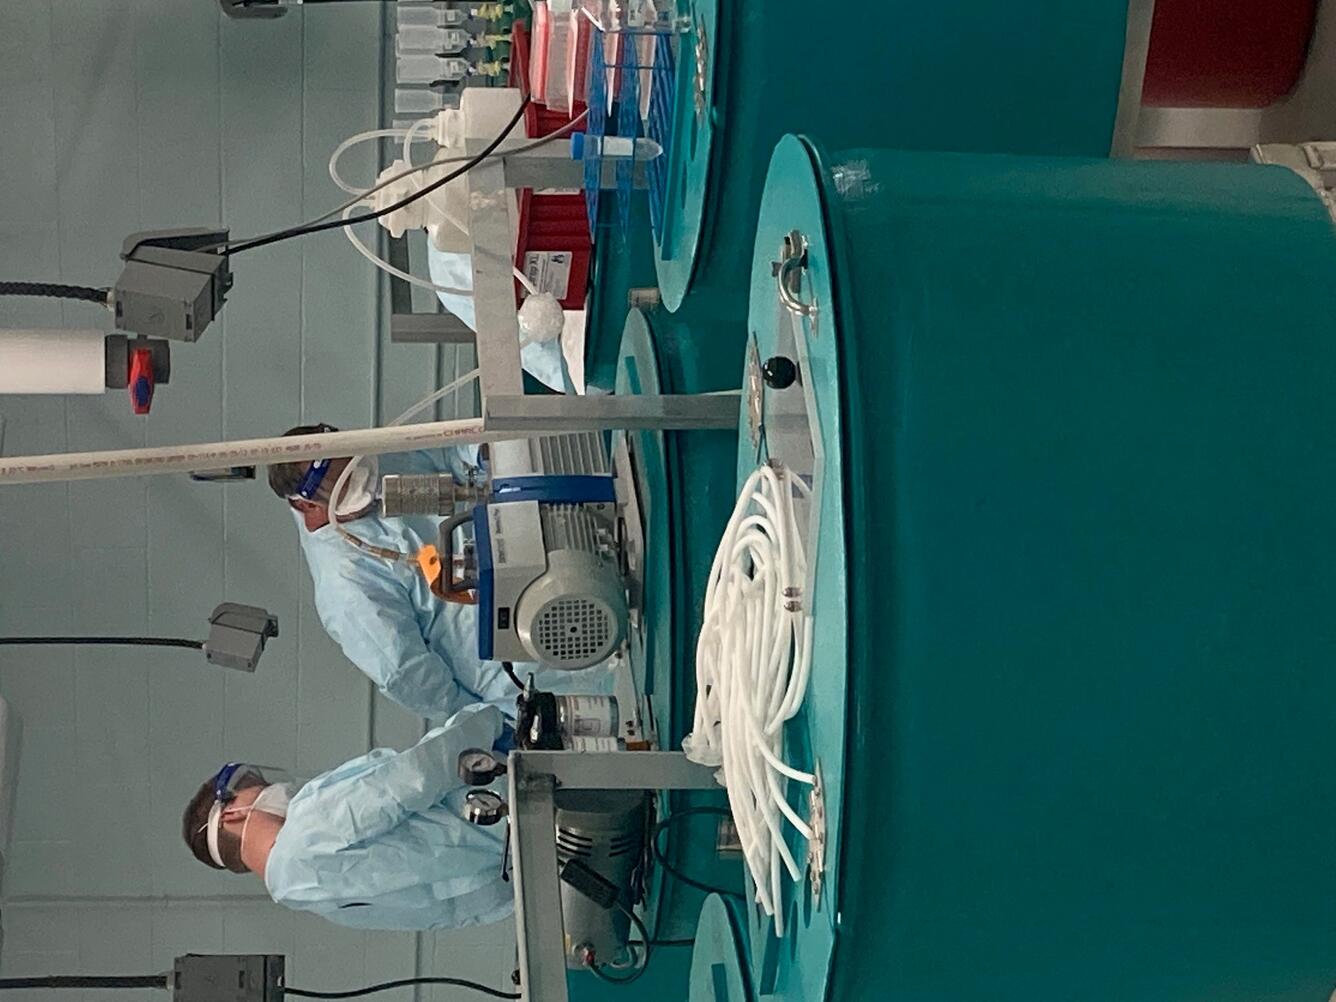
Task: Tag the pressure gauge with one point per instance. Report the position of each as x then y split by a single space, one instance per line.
484 808
478 767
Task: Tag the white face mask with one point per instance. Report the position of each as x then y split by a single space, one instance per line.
274 799
359 491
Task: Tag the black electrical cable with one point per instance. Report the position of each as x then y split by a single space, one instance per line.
387 985
54 290
597 969
673 871
509 668
164 981
194 645
656 943
338 224
89 981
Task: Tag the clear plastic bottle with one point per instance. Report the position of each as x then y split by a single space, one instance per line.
425 68
437 41
429 15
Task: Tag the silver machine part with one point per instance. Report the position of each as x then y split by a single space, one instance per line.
574 614
605 830
426 494
587 717
571 455
580 454
540 783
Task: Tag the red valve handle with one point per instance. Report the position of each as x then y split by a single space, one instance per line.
141 380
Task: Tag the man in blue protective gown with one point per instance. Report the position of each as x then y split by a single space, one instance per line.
420 651
381 842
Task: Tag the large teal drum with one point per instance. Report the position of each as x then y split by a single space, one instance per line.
1074 693
1027 76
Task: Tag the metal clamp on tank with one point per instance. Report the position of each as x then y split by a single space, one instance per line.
788 272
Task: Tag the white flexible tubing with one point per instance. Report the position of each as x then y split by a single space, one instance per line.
348 144
767 647
421 182
417 408
390 269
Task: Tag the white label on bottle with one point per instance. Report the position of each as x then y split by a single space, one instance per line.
549 271
594 744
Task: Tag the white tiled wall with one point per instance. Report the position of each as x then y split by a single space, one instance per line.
115 116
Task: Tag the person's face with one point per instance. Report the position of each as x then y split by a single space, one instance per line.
238 809
315 513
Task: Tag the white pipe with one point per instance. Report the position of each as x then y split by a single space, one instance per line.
53 361
208 455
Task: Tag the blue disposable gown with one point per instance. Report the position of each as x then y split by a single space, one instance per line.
543 360
419 651
382 841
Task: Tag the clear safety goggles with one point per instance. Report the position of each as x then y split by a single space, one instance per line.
227 783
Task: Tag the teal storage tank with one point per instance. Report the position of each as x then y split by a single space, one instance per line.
1030 76
1074 690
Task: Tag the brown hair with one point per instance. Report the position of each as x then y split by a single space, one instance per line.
285 478
195 825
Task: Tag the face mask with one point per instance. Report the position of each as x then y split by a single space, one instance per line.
359 491
273 800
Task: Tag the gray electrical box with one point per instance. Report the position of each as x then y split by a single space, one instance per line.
173 284
240 977
237 634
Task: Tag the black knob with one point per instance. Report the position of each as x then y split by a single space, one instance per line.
779 372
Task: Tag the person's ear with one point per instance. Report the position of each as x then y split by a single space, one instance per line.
315 514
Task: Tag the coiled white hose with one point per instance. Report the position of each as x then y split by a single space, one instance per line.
753 662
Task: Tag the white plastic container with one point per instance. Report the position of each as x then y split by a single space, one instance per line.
429 15
417 101
424 68
425 38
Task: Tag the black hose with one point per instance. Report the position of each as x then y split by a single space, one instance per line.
194 645
89 981
644 949
509 668
54 290
236 247
164 981
673 871
387 985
